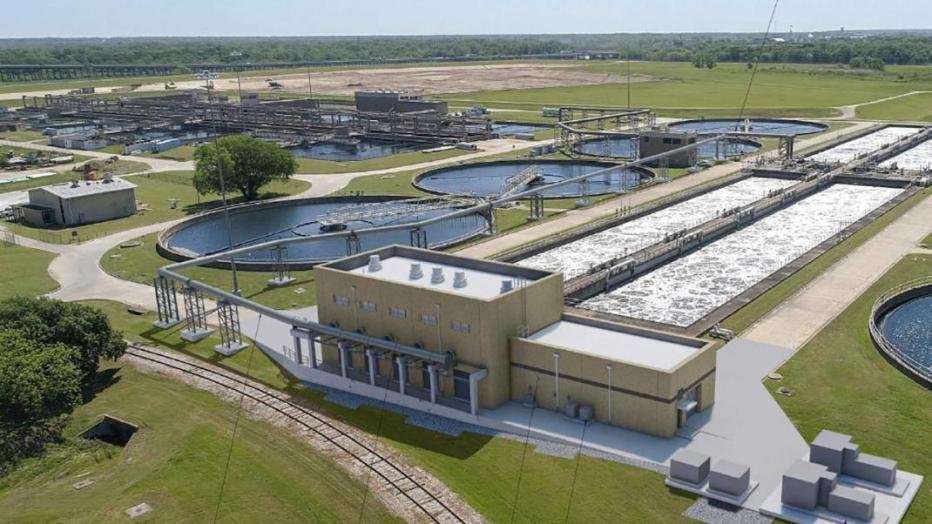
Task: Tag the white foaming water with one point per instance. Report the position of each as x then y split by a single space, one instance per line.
917 158
848 151
685 290
575 258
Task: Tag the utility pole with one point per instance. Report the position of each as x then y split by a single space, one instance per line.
208 77
310 93
628 74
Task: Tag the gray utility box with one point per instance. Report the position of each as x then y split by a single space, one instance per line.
836 452
689 466
729 477
807 485
852 503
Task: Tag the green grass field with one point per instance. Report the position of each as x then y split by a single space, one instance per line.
154 193
141 263
21 136
483 470
25 271
916 107
841 382
180 153
683 90
176 462
314 166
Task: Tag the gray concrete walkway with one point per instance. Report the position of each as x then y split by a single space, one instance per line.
802 316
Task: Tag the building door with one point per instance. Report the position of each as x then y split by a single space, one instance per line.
461 385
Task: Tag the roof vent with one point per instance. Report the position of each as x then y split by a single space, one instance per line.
459 279
74 183
416 272
507 286
375 263
436 275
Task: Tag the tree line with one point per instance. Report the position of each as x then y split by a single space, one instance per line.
834 47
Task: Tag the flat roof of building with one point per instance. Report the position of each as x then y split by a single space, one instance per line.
84 188
614 344
479 283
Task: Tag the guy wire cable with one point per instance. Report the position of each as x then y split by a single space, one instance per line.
760 52
239 410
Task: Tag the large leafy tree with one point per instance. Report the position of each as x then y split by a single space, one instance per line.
248 164
48 322
39 381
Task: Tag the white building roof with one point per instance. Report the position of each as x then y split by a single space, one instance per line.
84 188
614 345
479 283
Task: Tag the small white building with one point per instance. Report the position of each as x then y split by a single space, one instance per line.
78 202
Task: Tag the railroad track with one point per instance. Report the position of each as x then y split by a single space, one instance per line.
403 485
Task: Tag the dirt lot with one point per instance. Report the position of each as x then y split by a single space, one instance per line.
426 79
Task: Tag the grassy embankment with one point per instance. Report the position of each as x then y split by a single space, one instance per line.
176 461
24 271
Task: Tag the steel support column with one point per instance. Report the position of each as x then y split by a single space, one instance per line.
231 339
166 302
195 315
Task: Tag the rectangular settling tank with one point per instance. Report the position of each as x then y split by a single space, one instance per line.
575 258
683 291
917 158
848 151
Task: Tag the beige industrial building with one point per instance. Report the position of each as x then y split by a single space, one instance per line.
654 142
504 337
78 202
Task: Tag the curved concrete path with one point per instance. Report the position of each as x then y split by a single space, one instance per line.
80 277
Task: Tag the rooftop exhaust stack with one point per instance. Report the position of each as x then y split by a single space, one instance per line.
507 285
459 279
375 264
436 275
416 272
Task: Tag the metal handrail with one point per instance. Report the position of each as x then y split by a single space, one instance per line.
922 371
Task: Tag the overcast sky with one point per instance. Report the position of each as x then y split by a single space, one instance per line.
102 18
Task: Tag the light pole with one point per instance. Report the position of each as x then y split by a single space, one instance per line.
208 77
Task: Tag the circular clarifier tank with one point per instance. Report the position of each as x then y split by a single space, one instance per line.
778 126
905 324
625 147
263 222
488 179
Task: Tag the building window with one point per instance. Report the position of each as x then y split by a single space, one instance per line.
397 312
459 327
340 300
368 306
430 320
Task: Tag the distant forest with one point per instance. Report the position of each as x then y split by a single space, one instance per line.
837 47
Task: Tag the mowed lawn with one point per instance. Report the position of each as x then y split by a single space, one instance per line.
177 464
842 383
316 166
162 197
499 477
141 263
683 90
916 107
24 271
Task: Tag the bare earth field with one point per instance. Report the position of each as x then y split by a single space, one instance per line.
426 79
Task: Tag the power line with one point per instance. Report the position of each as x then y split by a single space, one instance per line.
527 438
760 52
239 411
